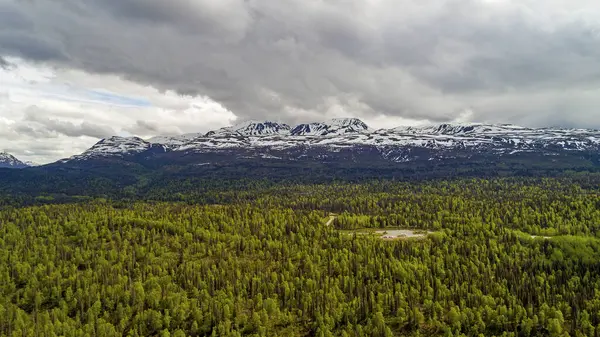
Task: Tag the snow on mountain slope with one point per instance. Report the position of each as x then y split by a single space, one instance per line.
114 146
222 142
253 128
461 129
337 126
349 133
9 161
172 142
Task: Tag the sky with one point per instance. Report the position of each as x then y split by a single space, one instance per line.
75 71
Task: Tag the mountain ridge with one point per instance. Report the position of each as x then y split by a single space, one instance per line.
253 128
275 140
336 126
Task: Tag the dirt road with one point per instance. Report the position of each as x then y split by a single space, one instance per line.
330 221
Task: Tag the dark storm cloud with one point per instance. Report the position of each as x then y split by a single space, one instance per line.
270 59
29 47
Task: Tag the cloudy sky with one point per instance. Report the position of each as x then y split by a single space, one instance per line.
74 71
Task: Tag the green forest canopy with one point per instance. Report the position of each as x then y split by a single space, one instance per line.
262 262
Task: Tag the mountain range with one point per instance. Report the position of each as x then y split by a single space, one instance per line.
321 152
343 141
346 139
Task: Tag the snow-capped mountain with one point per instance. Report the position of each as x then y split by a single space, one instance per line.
114 146
252 128
9 161
337 126
174 141
462 129
352 137
177 138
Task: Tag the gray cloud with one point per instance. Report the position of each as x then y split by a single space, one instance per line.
24 129
37 148
44 126
270 59
146 128
4 64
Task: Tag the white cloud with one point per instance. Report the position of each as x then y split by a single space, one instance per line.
49 113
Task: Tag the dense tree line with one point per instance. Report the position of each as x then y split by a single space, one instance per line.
262 262
145 176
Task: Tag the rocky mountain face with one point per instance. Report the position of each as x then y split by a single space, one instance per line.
336 127
252 128
348 139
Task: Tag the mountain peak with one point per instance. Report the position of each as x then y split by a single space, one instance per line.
348 121
7 160
336 126
118 139
114 146
253 128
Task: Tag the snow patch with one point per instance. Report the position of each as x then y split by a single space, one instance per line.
7 160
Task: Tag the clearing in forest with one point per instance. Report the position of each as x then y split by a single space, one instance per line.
390 233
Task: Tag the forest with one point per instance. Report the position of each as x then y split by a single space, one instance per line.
514 256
